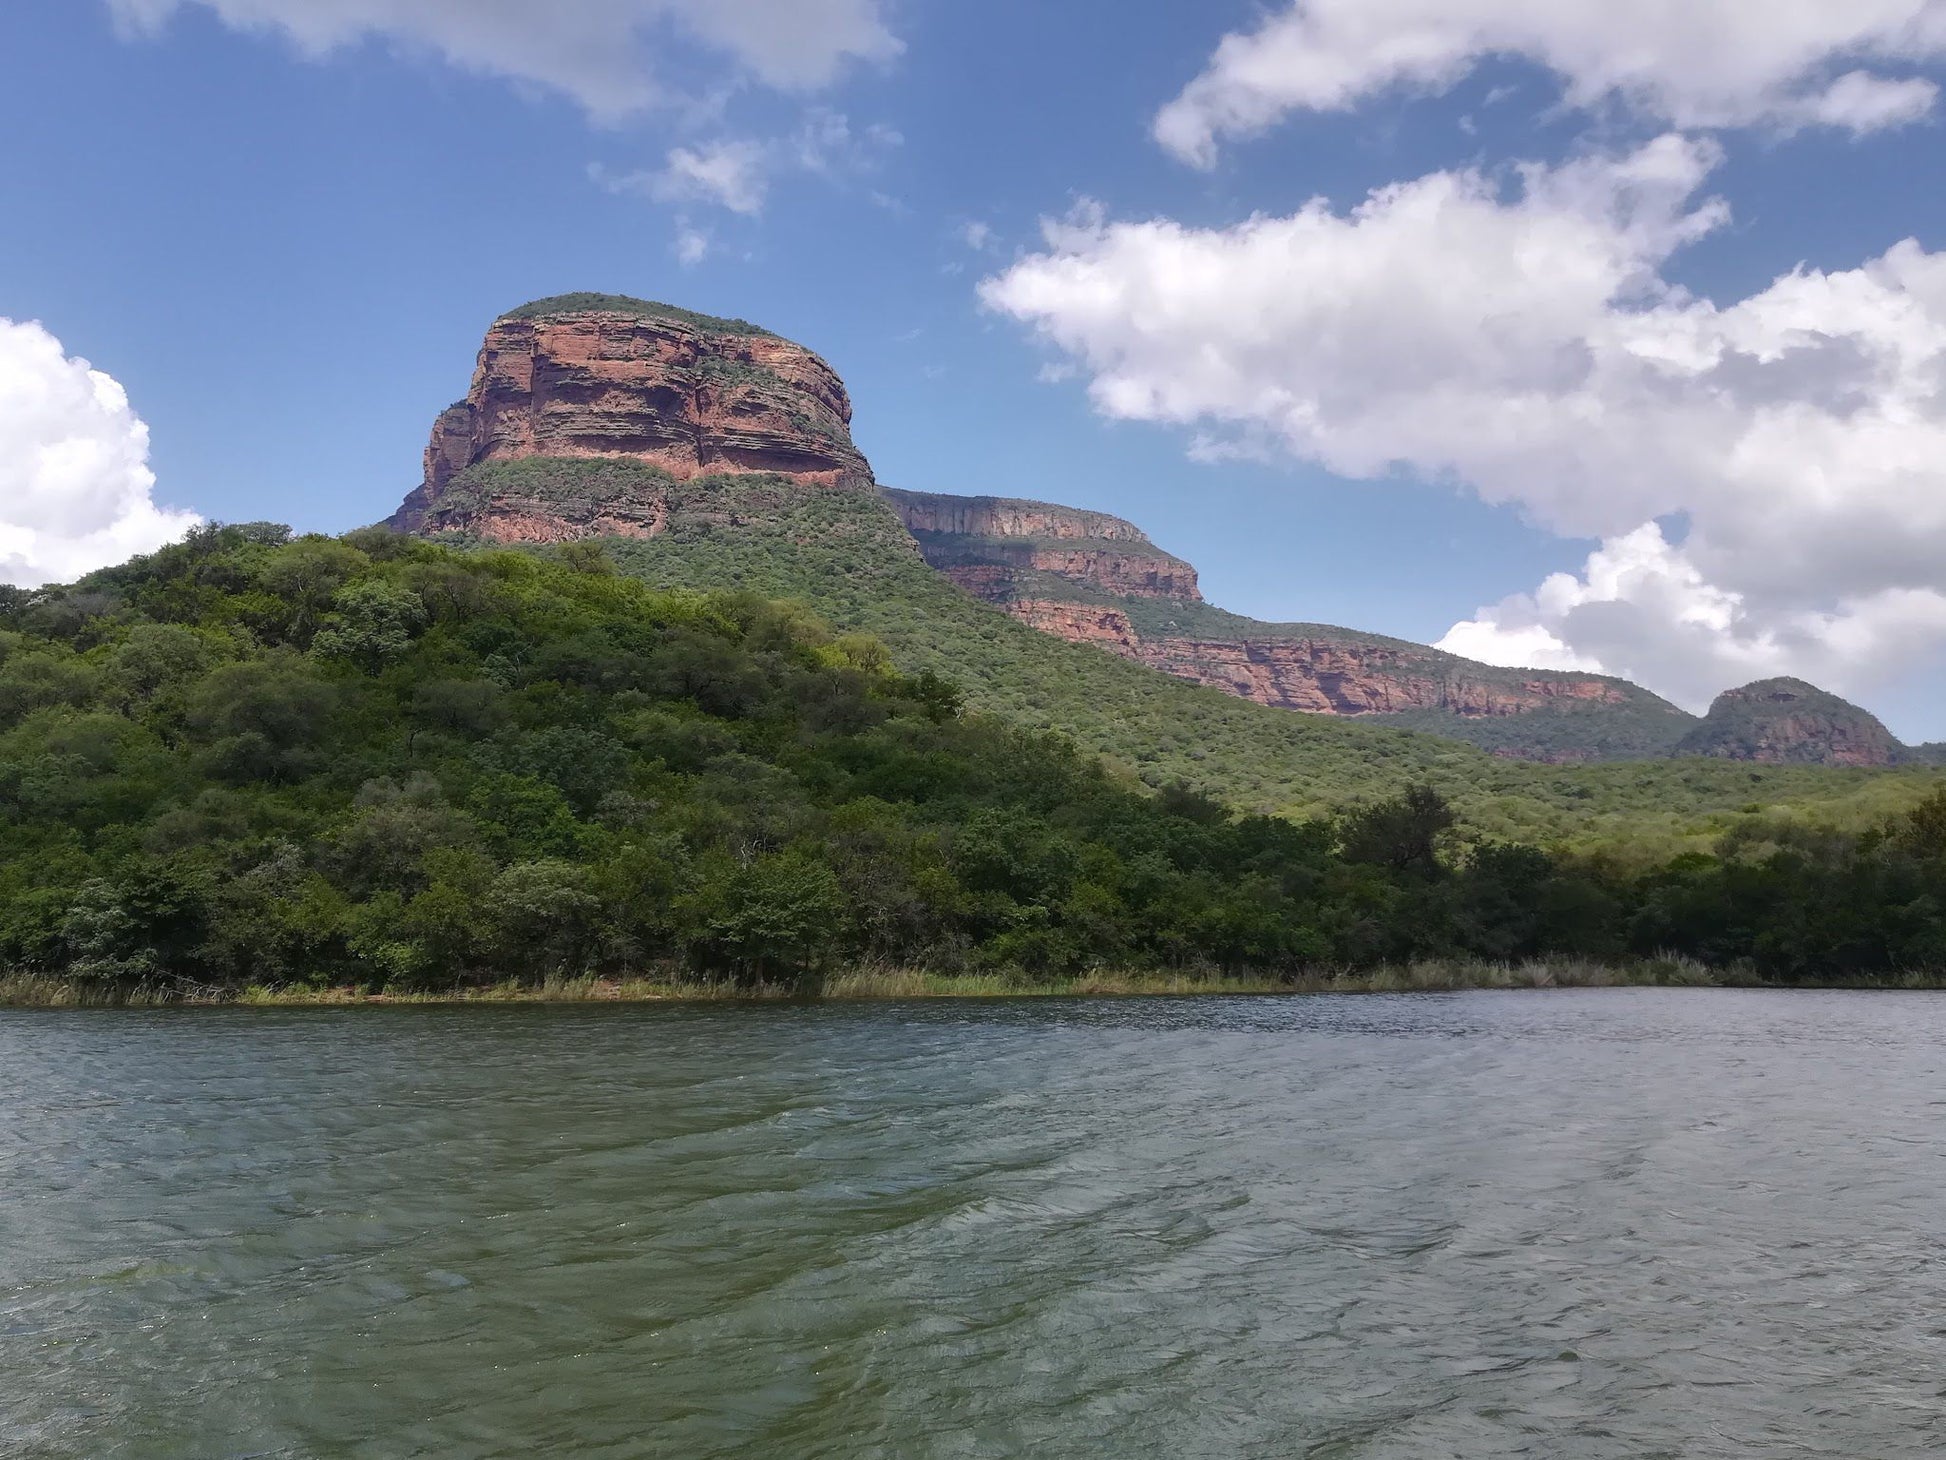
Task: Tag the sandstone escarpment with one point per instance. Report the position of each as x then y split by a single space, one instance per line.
594 376
1095 579
1790 722
986 543
1348 677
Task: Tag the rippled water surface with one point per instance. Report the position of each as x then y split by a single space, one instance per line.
1629 1223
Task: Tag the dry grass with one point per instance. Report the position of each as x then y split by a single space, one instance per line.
40 991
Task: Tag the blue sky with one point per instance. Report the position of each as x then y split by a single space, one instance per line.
1659 361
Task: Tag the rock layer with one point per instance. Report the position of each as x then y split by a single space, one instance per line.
1029 558
1790 722
1345 677
690 395
985 544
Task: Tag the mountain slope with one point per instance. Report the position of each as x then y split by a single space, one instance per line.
844 553
709 453
1094 578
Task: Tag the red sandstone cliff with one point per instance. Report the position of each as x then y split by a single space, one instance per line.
1789 722
982 543
587 376
1318 675
994 546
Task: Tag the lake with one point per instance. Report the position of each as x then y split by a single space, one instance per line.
1560 1224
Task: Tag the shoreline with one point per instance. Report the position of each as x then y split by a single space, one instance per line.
860 986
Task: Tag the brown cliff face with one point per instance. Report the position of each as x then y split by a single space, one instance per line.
1344 677
1790 722
971 537
1095 579
1081 623
592 376
937 513
1318 676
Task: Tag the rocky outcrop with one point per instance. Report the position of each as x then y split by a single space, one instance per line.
586 376
987 544
1790 722
939 515
516 517
1349 677
1080 623
1084 576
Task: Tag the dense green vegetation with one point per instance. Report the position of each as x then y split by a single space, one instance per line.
384 762
584 303
845 554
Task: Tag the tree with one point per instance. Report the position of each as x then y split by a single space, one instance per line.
1403 834
373 624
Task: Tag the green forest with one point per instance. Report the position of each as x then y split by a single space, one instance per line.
846 555
381 762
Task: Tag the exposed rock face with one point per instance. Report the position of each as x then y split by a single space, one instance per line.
1081 623
513 516
591 376
1787 721
939 515
983 543
1026 557
1346 677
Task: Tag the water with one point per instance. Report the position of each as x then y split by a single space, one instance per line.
1629 1223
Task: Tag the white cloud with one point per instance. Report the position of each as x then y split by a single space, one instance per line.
600 52
1643 609
736 173
732 175
1696 63
691 246
75 484
827 146
1521 340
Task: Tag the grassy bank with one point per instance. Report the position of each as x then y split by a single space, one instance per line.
32 991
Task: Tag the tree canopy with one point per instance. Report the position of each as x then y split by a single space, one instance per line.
252 758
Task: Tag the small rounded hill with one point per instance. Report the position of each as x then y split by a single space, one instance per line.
1788 721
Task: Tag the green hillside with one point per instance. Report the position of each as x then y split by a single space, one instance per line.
846 555
375 761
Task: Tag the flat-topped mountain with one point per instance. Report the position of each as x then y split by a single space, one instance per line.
601 416
592 375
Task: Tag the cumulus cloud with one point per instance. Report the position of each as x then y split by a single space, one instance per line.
75 484
1518 336
1644 609
599 52
1714 64
732 175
